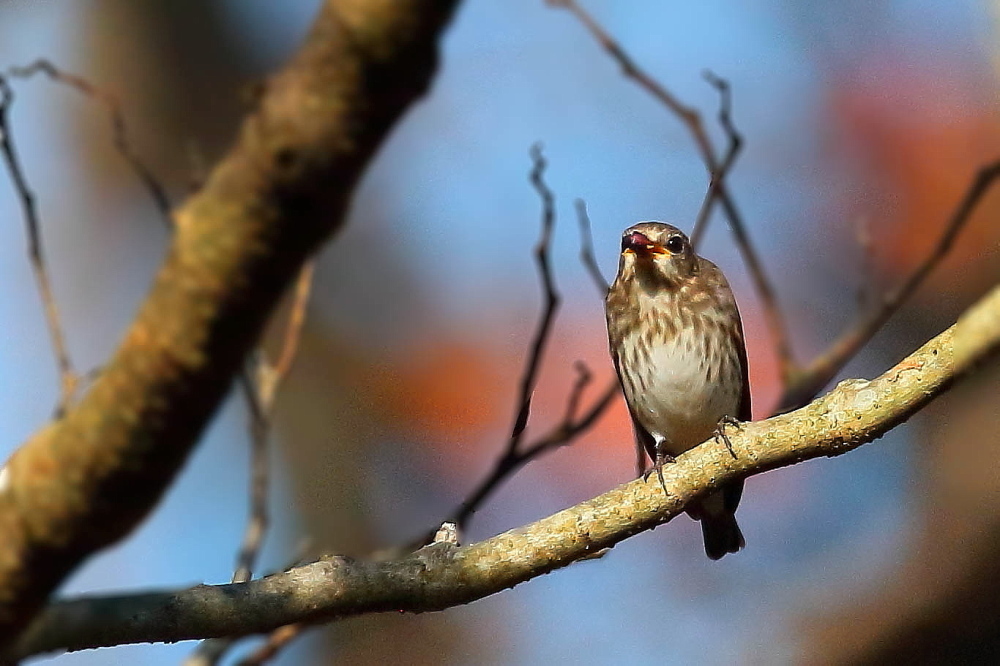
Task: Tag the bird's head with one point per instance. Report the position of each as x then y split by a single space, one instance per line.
657 253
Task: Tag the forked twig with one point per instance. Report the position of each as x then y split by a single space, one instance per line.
118 129
691 119
542 250
732 152
261 392
541 336
516 455
260 386
68 377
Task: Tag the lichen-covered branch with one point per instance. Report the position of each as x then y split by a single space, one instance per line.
87 479
444 575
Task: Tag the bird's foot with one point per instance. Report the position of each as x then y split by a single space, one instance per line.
720 432
662 457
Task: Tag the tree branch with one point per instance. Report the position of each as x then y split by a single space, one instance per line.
84 481
444 575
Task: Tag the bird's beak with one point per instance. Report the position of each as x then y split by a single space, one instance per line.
639 244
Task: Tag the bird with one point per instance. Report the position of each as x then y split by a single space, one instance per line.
676 340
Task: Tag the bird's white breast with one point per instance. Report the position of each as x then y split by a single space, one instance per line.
675 397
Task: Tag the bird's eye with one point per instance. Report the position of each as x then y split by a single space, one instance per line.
675 244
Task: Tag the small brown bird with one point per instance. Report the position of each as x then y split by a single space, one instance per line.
677 343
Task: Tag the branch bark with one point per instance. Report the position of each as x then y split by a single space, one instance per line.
443 575
87 479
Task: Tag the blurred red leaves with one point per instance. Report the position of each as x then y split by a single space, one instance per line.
915 135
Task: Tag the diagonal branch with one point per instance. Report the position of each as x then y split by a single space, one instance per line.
443 575
825 367
83 482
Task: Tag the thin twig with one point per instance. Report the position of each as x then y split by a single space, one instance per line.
866 248
687 114
691 119
260 388
542 333
825 367
732 152
587 249
583 377
68 377
530 377
516 456
261 393
276 641
507 465
118 128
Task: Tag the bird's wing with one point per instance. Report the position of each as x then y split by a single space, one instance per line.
645 445
734 491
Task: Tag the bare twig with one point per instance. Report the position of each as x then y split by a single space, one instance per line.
275 643
260 388
541 337
688 115
732 152
68 377
587 249
825 367
118 129
260 393
516 456
542 333
691 119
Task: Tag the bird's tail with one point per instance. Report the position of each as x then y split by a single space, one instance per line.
721 533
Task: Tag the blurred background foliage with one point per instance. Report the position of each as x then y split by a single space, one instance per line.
862 120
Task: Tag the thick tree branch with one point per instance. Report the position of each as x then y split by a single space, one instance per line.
86 480
443 575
